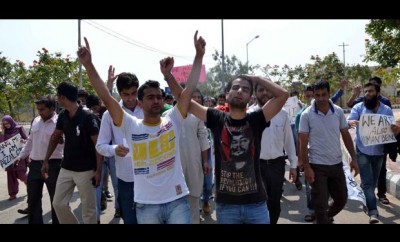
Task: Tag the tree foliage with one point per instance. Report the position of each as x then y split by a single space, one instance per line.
384 47
217 79
24 85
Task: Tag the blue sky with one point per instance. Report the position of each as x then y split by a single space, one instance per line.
137 45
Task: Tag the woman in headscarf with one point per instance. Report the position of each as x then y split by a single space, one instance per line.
18 170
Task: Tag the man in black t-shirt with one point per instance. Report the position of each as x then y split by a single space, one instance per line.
81 165
240 192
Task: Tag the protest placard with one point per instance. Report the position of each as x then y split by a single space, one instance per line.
292 107
9 151
181 73
374 129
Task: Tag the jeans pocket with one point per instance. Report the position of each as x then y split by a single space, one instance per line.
140 205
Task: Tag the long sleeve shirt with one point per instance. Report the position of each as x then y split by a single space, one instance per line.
109 132
38 140
277 139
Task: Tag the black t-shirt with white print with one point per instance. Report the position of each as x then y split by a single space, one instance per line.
237 151
79 150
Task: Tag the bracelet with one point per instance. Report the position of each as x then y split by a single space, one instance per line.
168 77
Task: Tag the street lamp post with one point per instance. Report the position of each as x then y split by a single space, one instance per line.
247 48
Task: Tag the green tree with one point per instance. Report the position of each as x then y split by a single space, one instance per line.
12 77
389 77
46 73
384 47
216 79
278 74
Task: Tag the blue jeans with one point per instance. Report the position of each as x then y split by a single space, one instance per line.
255 213
108 163
370 167
125 197
175 212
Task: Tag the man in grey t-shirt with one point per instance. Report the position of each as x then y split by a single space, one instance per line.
319 135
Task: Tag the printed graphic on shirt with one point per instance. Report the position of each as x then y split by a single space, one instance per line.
237 166
178 189
154 154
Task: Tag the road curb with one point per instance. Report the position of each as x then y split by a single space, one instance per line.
393 183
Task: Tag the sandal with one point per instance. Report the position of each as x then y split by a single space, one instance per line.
384 200
309 218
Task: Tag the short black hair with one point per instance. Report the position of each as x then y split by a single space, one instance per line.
376 79
321 84
127 80
373 83
92 100
83 93
147 84
68 90
49 101
229 84
309 88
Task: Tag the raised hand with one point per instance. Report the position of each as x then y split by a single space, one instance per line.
343 84
111 77
166 65
357 90
84 55
199 44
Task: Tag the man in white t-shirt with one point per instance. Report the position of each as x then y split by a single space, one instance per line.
160 188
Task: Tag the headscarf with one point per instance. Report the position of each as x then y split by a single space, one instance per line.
12 131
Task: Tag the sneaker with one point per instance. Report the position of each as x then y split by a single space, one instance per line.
373 219
206 207
384 200
298 184
23 211
108 194
12 198
309 217
117 213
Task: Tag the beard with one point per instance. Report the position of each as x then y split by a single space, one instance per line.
371 103
236 103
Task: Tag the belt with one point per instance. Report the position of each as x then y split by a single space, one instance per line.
41 161
281 158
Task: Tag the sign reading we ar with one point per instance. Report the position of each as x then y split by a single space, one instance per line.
9 151
375 129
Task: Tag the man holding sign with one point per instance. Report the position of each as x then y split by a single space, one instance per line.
369 146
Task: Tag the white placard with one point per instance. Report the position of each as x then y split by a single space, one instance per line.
9 151
292 107
374 129
354 191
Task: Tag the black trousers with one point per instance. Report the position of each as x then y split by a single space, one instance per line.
329 181
273 175
35 189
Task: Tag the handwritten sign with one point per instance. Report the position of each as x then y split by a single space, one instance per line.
9 151
375 129
181 73
292 107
